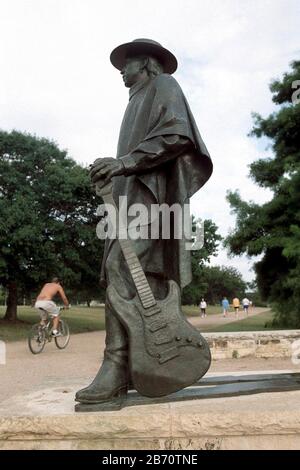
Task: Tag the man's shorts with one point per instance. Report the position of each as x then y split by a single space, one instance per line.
49 306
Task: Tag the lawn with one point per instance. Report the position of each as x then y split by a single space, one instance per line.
251 323
83 319
80 320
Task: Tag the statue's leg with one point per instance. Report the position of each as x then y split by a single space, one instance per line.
111 380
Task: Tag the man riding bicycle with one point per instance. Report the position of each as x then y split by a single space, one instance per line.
44 301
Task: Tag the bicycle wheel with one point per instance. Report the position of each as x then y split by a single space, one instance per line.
63 339
36 339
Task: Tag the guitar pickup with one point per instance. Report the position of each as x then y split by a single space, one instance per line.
157 325
162 338
151 311
168 354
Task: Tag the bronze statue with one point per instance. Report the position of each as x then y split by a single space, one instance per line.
161 158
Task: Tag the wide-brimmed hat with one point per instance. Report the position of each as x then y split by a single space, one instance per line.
143 46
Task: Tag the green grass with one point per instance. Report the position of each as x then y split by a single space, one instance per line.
255 323
80 320
83 319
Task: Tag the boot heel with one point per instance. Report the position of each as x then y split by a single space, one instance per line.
122 392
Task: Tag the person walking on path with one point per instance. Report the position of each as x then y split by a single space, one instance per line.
225 306
236 305
203 306
246 303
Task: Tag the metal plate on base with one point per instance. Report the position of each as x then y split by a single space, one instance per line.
210 387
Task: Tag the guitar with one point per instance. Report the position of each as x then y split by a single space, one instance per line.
166 353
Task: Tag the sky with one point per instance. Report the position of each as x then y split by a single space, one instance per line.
57 81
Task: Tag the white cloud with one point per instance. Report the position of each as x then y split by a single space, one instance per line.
57 81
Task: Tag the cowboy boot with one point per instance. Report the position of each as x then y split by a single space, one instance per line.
111 381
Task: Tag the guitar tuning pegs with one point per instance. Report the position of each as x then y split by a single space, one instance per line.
189 339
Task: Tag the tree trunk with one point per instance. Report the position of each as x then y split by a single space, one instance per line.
12 302
88 303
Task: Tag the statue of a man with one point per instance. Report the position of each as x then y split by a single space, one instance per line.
161 158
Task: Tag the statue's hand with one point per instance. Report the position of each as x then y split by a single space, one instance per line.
104 169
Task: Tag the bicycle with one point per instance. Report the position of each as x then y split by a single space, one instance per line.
39 334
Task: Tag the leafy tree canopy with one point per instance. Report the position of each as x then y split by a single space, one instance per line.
47 218
273 229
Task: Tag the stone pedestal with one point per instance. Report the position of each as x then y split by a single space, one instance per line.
261 344
45 419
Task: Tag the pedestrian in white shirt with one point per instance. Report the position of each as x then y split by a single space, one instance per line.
203 306
246 303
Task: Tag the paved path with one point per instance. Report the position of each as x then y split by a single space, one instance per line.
82 358
217 319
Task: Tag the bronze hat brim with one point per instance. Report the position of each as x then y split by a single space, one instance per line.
121 53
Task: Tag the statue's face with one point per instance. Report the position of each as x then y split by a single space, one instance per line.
132 72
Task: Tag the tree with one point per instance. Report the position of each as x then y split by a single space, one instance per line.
223 281
272 229
2 296
86 294
198 287
47 218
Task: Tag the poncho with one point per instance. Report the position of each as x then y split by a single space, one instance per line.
165 161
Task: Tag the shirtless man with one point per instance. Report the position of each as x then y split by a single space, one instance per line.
45 302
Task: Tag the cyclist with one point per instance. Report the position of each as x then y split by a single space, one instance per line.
45 302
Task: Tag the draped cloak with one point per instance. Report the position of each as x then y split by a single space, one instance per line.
158 109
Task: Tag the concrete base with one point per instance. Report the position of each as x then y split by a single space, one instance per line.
45 419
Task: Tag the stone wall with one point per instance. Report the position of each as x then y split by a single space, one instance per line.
254 344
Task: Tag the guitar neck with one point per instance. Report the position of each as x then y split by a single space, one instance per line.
137 273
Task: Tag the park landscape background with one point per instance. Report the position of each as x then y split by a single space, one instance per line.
48 219
47 207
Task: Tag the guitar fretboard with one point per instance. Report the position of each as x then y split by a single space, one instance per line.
137 273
